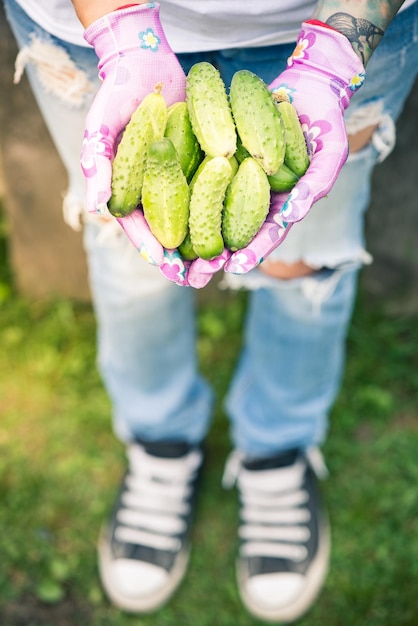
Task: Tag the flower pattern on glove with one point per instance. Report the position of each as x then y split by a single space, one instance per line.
313 133
301 51
173 267
98 143
149 40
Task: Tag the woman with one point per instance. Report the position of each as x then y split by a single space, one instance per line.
301 269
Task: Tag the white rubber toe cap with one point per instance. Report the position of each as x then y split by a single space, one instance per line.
137 578
273 591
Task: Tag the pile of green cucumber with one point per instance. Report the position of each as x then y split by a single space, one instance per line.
202 171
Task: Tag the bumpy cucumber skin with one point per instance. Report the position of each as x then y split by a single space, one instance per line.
129 165
246 205
206 205
283 180
209 111
165 194
179 130
155 105
186 248
296 154
232 162
146 125
257 120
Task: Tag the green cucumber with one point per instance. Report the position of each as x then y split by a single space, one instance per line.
283 180
186 248
296 153
145 126
179 130
165 194
209 111
246 205
206 205
258 122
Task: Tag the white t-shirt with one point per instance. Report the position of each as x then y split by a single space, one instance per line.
193 25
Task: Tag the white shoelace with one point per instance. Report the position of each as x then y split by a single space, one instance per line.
274 518
156 500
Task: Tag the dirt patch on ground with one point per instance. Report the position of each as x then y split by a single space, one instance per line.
32 612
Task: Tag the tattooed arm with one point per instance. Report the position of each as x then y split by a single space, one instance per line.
363 22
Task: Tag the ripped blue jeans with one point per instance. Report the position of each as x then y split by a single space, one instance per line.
293 354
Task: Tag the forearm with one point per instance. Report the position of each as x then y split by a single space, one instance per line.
90 10
363 22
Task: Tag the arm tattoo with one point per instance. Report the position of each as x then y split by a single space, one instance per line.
363 22
363 35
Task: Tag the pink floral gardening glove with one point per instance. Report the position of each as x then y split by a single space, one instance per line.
196 273
322 75
134 56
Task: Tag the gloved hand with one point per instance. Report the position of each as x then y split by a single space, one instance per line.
322 75
134 56
196 273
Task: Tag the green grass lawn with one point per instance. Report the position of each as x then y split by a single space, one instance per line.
60 465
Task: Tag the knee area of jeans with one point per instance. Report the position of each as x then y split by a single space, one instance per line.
150 301
371 127
306 299
372 136
286 271
118 274
57 72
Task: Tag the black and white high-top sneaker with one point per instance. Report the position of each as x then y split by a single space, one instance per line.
283 533
144 549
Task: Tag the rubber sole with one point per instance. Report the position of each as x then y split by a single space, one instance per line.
143 604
